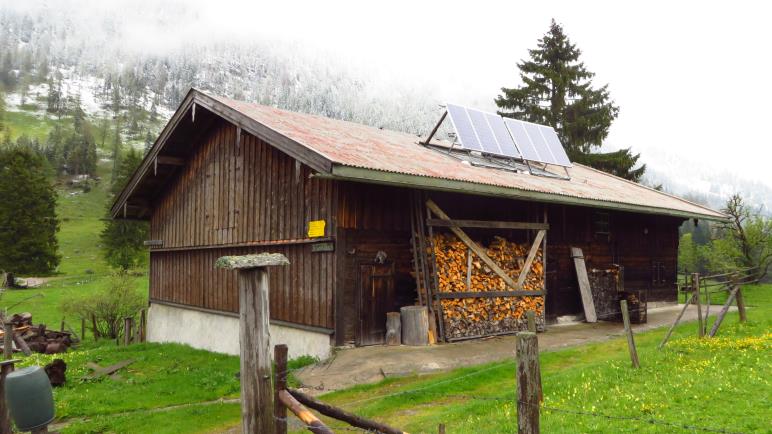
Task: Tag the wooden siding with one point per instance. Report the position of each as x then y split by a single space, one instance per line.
238 197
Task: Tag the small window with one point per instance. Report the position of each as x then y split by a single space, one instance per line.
600 222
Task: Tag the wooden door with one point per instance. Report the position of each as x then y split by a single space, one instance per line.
376 297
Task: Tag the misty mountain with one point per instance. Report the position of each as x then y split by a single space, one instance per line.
144 56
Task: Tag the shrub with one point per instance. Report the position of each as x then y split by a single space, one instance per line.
108 306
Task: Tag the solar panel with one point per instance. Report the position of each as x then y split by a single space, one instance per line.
491 134
464 129
501 133
522 140
484 133
538 143
554 145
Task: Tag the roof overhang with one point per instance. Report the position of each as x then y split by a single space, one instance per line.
358 174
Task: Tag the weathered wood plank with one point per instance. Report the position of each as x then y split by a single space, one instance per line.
584 285
528 383
486 224
629 334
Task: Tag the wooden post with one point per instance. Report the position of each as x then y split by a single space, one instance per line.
528 376
83 329
531 316
257 414
724 310
740 302
143 325
279 410
441 428
696 292
675 323
629 333
128 325
94 327
6 367
584 285
8 340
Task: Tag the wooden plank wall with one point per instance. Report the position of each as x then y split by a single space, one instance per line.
371 218
249 196
636 241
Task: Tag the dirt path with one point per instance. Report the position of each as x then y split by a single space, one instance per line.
349 367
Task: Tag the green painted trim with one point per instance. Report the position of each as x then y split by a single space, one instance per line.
358 174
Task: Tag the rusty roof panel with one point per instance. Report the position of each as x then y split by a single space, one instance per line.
356 145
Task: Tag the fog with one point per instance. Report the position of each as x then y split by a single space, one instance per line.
690 77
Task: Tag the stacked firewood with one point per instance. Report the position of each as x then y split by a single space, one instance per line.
36 338
483 316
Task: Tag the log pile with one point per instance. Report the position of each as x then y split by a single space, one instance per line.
466 317
37 338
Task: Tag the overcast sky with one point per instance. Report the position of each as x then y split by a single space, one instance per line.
690 77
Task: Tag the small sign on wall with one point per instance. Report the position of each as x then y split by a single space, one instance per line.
316 228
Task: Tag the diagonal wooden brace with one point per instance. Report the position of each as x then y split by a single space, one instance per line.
480 252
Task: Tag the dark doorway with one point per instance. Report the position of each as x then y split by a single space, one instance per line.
376 297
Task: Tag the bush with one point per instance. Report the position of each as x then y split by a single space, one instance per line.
109 305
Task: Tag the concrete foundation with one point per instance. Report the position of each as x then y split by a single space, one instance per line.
220 333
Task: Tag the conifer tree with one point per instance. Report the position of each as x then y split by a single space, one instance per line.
2 110
557 90
123 240
28 221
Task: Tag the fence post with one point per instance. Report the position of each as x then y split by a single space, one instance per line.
739 298
629 333
257 414
94 327
143 325
128 325
441 428
531 316
8 340
698 302
720 317
279 410
83 329
528 383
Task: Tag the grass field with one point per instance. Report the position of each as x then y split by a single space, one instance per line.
722 383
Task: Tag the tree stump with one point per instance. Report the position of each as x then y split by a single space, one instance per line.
415 325
393 328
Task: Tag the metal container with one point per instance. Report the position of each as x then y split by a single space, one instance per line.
29 398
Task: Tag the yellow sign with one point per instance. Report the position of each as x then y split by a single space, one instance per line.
316 228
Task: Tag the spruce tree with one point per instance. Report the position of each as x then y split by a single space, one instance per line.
28 221
557 90
2 110
123 240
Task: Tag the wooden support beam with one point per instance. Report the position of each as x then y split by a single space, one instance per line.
479 251
487 224
629 334
169 161
529 260
584 285
724 310
343 415
6 367
312 422
488 294
675 323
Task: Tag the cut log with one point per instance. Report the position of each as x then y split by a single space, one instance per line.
415 325
21 344
393 328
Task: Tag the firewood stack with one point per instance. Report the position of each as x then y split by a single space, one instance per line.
465 317
36 337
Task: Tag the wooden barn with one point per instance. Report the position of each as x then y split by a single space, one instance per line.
373 220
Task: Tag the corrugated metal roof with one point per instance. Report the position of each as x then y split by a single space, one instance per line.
359 146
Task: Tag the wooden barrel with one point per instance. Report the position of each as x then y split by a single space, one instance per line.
415 325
